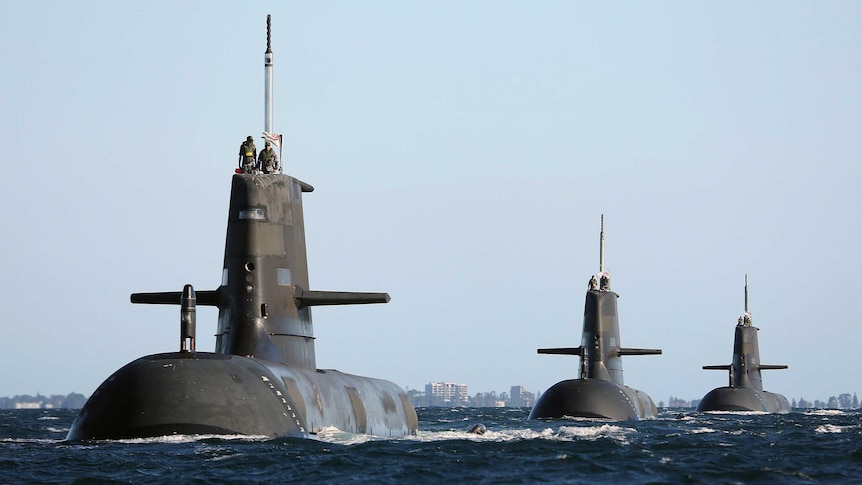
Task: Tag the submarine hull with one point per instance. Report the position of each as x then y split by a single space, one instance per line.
197 393
593 398
743 399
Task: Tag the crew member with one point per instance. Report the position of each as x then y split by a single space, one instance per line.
605 283
593 283
247 155
267 161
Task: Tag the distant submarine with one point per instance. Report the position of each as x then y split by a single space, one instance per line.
745 391
599 392
262 378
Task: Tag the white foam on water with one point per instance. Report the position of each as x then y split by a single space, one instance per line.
824 412
829 428
592 433
331 434
28 441
738 413
563 433
190 438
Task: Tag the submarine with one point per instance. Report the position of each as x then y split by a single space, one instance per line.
599 391
745 391
262 378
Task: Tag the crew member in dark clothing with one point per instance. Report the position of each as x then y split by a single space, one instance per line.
267 161
247 155
605 283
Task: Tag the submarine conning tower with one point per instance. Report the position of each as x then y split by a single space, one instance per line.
600 338
601 348
264 299
746 356
265 268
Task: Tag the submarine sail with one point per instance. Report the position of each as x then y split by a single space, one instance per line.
599 391
262 379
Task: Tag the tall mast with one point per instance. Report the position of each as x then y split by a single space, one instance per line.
267 87
602 246
746 293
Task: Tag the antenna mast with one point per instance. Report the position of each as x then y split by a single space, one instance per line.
602 246
746 293
267 87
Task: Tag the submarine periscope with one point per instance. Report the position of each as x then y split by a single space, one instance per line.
599 391
262 379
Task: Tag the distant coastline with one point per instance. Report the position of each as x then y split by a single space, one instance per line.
490 399
71 401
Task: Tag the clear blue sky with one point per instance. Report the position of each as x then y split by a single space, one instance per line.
462 153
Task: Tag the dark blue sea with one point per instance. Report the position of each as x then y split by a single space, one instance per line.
678 447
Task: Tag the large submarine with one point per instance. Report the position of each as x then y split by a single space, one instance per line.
262 378
599 392
745 391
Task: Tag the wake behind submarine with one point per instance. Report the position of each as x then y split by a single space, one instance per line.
745 391
599 392
262 378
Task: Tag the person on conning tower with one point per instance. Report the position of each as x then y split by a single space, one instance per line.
267 161
247 155
605 284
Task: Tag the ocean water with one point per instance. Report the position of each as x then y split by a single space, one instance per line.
677 447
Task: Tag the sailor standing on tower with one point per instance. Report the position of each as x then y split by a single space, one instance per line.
267 161
247 155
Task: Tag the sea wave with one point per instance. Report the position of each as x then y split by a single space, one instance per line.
737 413
41 441
824 412
793 448
614 432
829 428
190 438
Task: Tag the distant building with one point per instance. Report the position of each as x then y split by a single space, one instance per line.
448 394
32 405
489 400
521 398
678 402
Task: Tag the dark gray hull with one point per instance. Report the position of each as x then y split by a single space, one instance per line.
743 399
593 398
208 393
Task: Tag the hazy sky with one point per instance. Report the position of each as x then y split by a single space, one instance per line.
462 154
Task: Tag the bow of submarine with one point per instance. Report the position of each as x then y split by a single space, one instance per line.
188 393
593 398
203 393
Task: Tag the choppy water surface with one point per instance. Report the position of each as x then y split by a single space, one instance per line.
801 447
